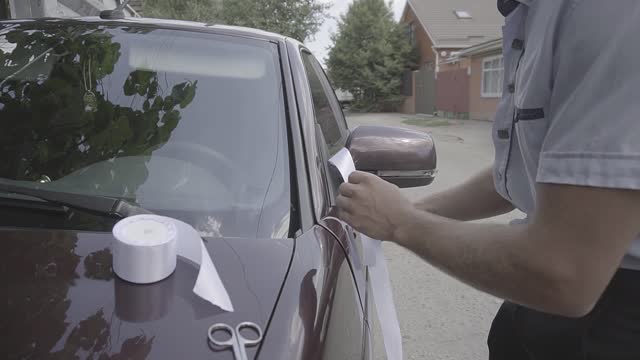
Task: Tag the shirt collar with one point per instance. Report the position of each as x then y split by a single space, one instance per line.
506 7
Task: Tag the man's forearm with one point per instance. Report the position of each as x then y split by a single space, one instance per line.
497 259
472 200
560 262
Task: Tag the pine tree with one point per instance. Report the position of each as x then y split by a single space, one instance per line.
299 19
370 54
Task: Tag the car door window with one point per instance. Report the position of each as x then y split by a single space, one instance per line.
326 107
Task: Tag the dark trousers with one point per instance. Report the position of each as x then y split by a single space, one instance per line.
610 332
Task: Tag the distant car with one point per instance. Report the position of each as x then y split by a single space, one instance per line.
228 129
344 97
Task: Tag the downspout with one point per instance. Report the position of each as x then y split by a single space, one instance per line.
437 61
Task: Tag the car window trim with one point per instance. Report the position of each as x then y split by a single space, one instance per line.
329 193
330 94
333 98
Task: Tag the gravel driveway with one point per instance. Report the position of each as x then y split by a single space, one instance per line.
440 317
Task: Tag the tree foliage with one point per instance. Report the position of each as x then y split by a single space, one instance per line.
370 53
299 19
207 11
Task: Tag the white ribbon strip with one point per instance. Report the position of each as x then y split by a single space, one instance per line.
145 249
374 259
383 296
343 161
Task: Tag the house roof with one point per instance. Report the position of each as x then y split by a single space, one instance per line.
447 30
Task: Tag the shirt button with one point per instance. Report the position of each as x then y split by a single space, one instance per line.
503 134
499 175
512 88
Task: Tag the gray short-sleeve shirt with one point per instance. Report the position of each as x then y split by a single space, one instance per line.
570 113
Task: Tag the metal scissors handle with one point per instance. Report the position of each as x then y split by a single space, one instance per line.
237 341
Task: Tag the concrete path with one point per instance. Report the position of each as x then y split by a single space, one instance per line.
440 317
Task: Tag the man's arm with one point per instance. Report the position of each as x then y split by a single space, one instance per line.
560 263
474 199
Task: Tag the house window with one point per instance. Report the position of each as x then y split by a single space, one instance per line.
411 33
492 75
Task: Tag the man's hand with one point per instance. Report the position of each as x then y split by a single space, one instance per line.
373 206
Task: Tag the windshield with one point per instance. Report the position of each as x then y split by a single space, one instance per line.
186 124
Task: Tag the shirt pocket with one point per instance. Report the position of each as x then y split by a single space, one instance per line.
531 125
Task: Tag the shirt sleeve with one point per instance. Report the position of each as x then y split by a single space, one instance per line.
593 137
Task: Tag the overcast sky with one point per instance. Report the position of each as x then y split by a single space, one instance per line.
322 39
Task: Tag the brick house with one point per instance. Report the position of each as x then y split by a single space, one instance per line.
440 29
486 71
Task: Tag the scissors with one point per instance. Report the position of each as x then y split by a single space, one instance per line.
237 342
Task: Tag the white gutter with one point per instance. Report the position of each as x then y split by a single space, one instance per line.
133 11
492 45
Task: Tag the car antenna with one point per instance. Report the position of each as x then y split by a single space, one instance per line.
115 14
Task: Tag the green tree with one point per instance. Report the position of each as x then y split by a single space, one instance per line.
299 19
194 10
370 53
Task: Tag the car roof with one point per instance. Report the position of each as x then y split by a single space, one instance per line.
164 24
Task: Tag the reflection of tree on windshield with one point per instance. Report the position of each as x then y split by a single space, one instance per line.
56 116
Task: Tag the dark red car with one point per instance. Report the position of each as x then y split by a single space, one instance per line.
227 129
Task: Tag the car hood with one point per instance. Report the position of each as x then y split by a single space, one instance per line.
65 302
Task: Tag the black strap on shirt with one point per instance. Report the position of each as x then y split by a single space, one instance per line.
506 7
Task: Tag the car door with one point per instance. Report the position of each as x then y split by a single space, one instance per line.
332 134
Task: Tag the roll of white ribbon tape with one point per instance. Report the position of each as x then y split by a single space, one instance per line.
145 249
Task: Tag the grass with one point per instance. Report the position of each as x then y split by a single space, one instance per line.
426 122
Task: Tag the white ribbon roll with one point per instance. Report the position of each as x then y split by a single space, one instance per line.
145 249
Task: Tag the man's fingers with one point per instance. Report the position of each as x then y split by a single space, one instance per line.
344 203
359 177
348 190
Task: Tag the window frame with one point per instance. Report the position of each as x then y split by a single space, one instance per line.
329 185
412 33
484 78
336 109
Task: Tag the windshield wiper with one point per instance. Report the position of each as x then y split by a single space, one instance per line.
100 205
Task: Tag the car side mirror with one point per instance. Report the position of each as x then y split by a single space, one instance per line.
401 156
